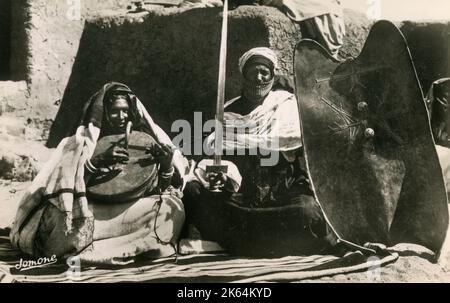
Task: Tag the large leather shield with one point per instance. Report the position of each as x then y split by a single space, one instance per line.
368 143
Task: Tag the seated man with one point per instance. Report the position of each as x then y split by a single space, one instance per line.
55 217
266 205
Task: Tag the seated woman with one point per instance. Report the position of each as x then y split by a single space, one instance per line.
56 218
266 206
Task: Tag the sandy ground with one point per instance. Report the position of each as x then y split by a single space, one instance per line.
10 194
405 269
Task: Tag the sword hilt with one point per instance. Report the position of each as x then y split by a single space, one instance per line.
215 169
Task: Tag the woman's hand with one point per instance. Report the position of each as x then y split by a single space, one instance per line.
164 154
112 156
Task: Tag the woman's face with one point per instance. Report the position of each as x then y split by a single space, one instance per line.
258 73
118 114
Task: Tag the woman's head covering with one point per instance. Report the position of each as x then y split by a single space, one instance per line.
262 55
112 95
97 109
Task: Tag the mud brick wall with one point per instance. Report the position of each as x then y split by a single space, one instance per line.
44 42
170 58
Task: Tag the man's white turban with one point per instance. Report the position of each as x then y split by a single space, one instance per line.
260 52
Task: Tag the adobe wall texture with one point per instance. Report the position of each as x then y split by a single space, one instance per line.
170 57
44 42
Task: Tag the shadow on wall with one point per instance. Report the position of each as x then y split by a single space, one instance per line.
169 61
5 39
170 58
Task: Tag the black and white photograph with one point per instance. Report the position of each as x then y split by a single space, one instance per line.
224 141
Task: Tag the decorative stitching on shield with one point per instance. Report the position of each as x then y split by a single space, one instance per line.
351 123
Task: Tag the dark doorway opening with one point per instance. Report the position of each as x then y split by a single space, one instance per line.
5 39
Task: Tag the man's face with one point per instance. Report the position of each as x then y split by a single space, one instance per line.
258 73
118 114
